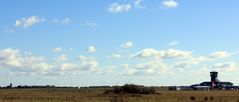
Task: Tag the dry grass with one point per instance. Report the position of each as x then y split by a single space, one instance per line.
67 95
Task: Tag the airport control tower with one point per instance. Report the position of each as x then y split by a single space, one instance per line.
214 84
214 80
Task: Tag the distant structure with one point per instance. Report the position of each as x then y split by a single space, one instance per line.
214 84
10 86
214 80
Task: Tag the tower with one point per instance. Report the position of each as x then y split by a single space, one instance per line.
214 80
214 76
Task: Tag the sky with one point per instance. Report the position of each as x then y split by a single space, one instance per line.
114 42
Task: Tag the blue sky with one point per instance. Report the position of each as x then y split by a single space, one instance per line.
113 42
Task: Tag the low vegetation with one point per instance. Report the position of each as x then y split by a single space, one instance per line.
131 89
97 95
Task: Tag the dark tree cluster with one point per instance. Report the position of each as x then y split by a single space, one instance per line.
35 87
131 89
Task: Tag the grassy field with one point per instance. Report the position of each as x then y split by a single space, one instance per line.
67 95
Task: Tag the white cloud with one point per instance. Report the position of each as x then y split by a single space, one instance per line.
87 64
32 64
37 65
58 49
169 4
118 8
12 59
9 30
29 64
115 55
150 65
145 53
61 58
226 67
92 66
173 53
91 49
219 54
67 66
28 22
189 62
71 49
91 24
108 70
128 45
147 68
55 21
62 21
87 58
129 71
66 21
138 4
170 53
173 43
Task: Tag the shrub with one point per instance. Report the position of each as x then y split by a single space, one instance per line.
193 98
211 98
132 89
205 98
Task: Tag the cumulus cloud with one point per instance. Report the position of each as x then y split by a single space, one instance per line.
138 4
66 21
87 58
28 22
92 66
226 66
127 45
173 53
67 66
129 71
91 24
12 59
170 53
148 52
62 21
173 43
55 20
91 49
219 54
118 8
150 65
57 49
22 64
155 62
189 62
108 69
147 68
74 67
115 55
85 64
169 4
61 58
9 30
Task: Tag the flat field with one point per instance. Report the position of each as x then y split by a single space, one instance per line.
96 95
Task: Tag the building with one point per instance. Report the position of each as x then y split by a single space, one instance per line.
215 83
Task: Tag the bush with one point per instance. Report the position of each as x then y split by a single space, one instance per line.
193 98
132 89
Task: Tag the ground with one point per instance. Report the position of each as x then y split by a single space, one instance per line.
96 95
